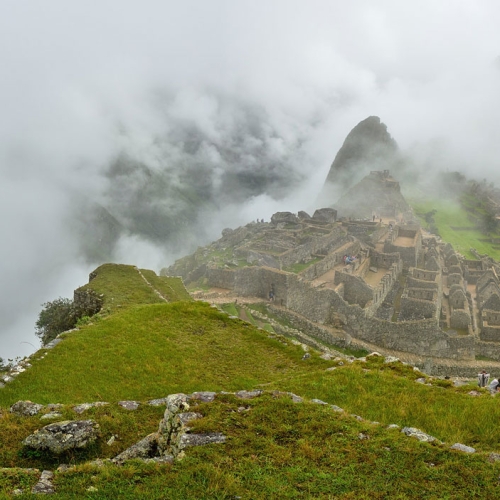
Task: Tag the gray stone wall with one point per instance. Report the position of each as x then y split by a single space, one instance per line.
491 317
384 287
421 293
490 333
356 291
457 299
221 278
384 260
489 349
454 279
258 281
424 274
460 318
409 255
318 245
377 234
423 338
413 308
455 270
314 304
416 283
323 334
260 258
330 261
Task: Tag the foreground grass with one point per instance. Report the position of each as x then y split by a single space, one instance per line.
127 427
388 393
279 449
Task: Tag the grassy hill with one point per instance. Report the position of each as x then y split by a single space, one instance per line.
142 346
455 226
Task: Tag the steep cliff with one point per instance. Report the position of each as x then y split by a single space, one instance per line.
368 146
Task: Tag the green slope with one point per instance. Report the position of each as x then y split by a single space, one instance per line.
143 348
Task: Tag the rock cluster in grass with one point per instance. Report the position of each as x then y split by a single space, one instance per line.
63 436
174 435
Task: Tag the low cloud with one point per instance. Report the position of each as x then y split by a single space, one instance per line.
235 107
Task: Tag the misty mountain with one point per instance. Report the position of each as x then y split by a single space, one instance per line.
166 190
368 146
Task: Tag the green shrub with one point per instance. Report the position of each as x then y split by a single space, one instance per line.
63 314
55 317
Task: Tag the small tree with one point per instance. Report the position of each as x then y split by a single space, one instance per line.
55 317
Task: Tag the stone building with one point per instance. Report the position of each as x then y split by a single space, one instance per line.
377 281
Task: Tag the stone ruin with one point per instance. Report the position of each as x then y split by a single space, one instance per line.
398 289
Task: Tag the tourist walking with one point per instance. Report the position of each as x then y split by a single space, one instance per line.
483 378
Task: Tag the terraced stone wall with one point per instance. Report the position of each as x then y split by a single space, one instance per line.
418 337
258 282
356 291
221 278
384 260
412 308
489 349
384 287
321 244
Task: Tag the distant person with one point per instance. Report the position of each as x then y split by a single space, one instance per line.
483 378
271 295
493 387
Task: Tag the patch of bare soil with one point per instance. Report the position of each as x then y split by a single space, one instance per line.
404 241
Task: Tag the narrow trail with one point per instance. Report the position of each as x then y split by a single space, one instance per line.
151 286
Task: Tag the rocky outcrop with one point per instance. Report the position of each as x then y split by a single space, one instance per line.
174 434
25 408
63 436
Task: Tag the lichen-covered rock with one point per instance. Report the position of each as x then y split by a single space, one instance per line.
188 440
86 406
463 447
25 408
418 434
175 403
63 436
295 398
248 394
318 402
129 405
391 359
145 448
157 402
44 485
52 414
204 397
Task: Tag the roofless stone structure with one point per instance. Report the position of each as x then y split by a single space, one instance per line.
377 279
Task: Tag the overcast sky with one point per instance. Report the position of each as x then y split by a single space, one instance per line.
82 81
